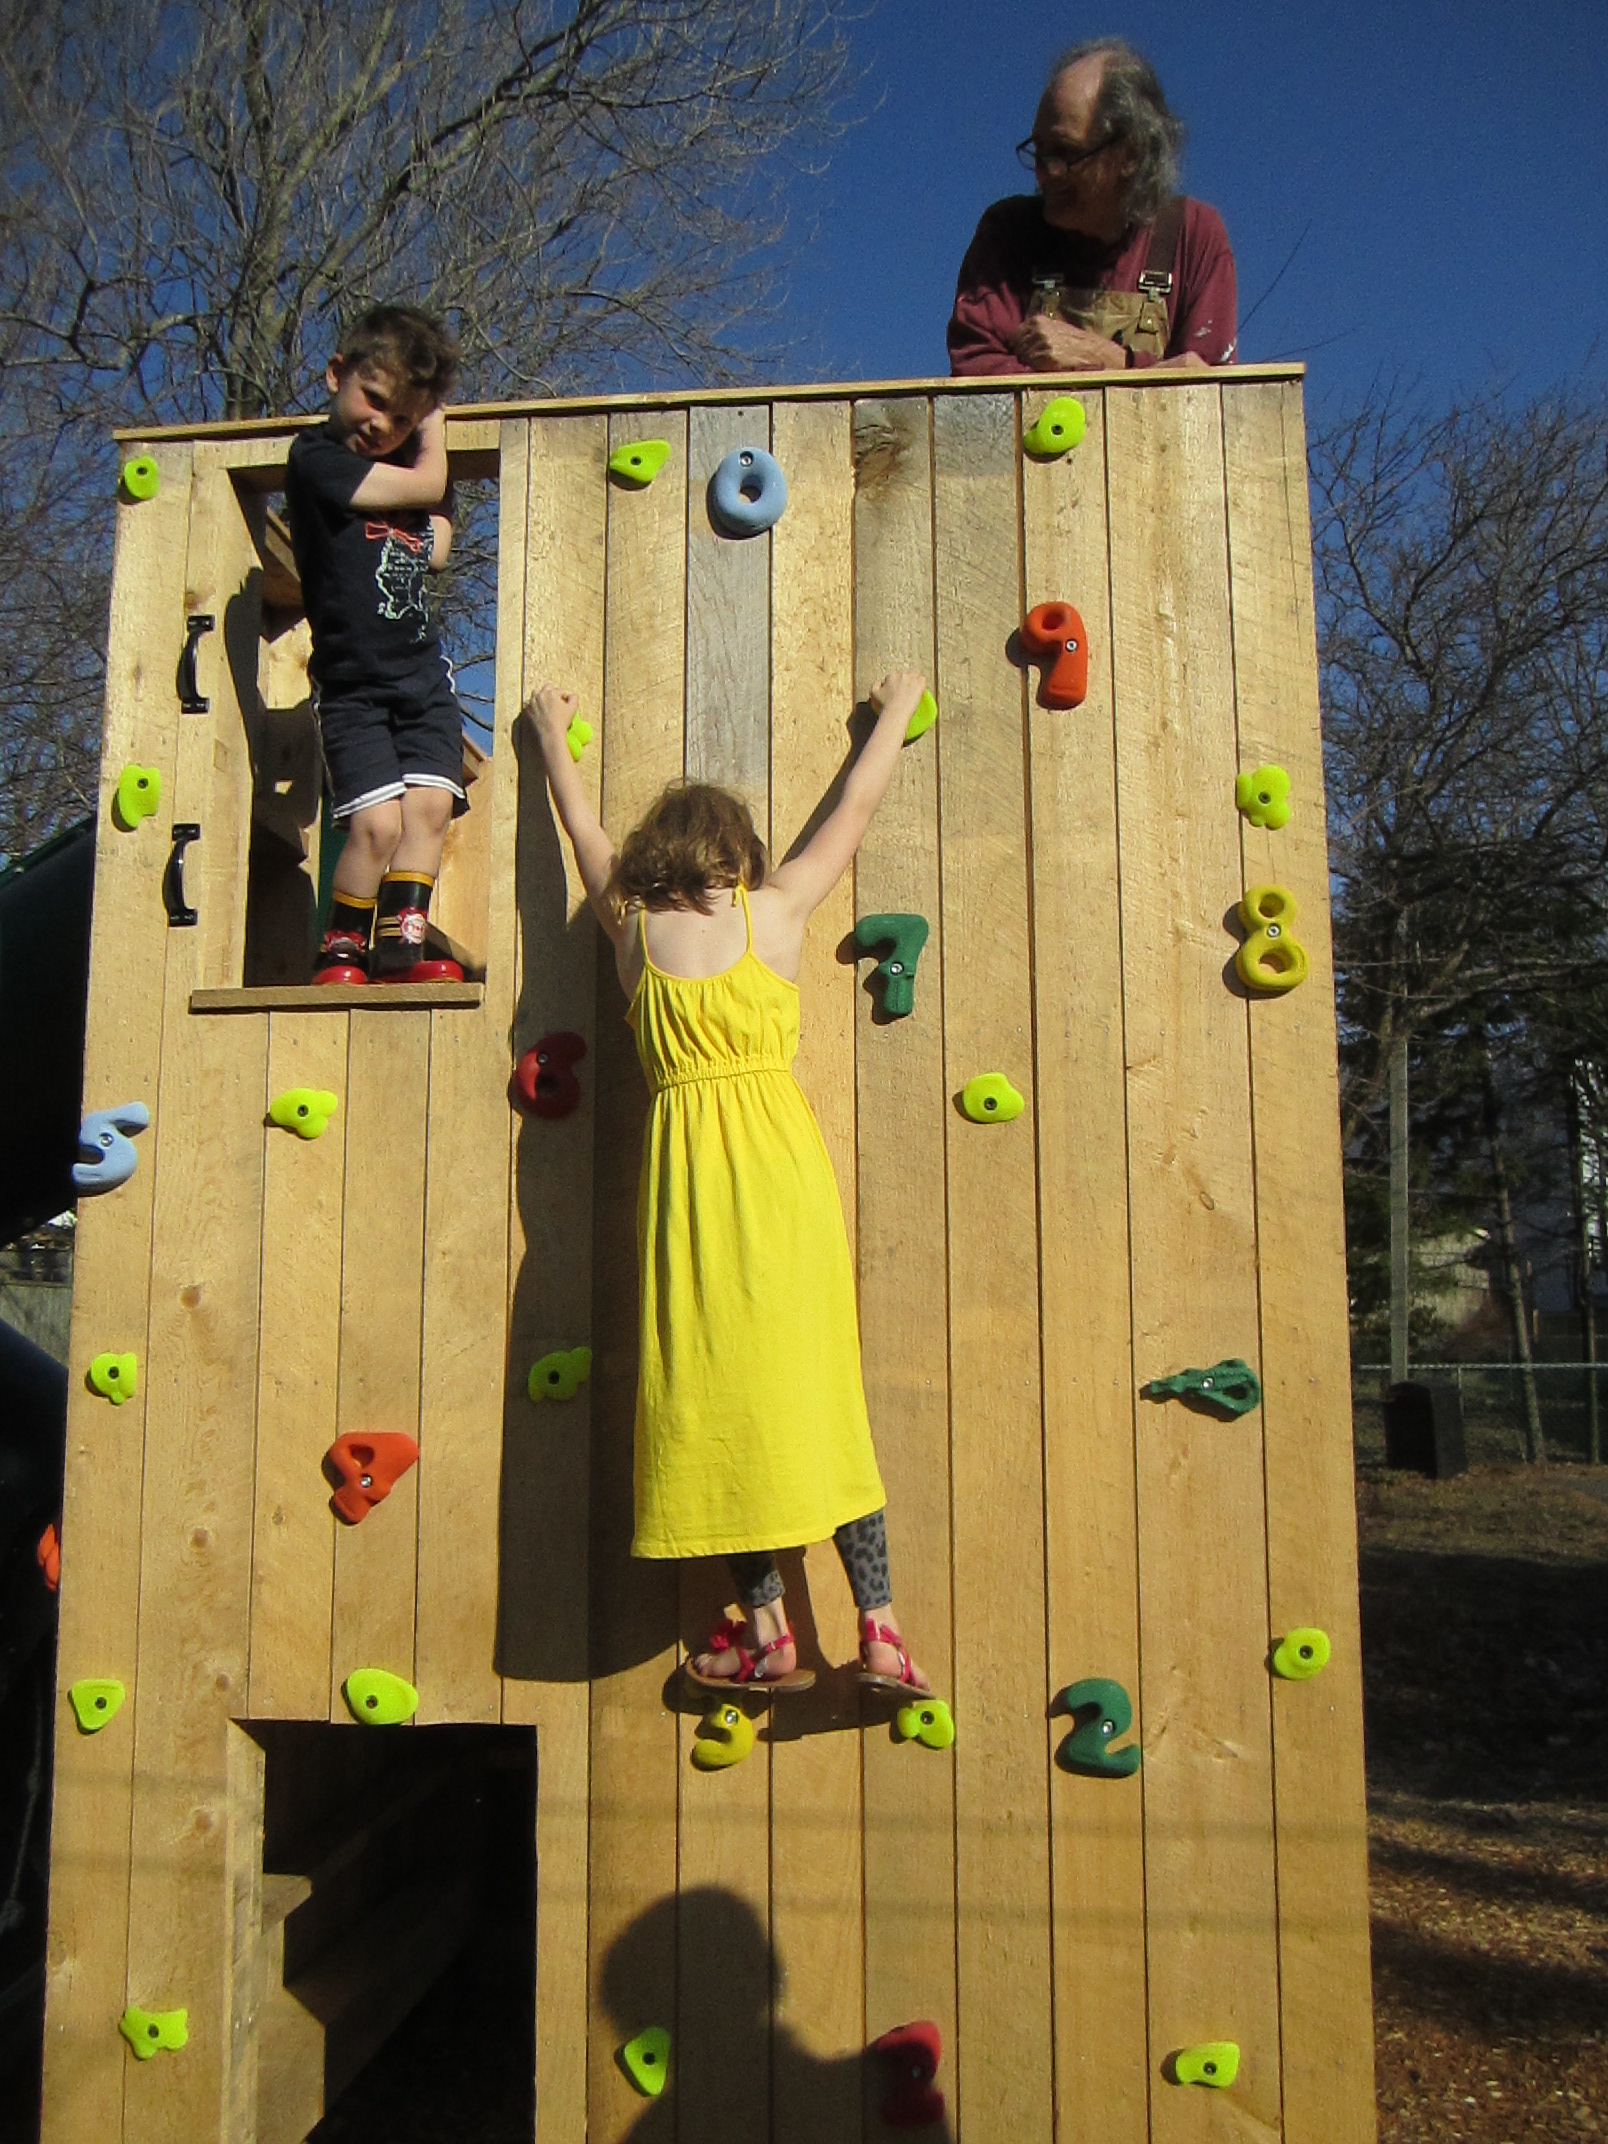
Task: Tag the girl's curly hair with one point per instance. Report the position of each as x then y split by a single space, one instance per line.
694 840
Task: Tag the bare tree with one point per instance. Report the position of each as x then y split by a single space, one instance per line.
193 196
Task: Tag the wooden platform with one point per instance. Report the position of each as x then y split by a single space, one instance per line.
1170 1196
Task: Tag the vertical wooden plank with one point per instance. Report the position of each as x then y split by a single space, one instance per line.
293 1559
196 1515
816 1885
1002 1876
546 1450
99 1622
728 579
903 1122
382 1287
1207 1769
462 1377
1319 1796
632 1964
1092 1550
724 1833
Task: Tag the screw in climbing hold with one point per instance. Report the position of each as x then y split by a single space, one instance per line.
1057 429
103 1137
367 1469
1229 1387
747 493
1213 2062
96 1700
140 477
1053 634
306 1111
646 2060
378 1698
1270 960
928 1721
115 1377
989 1098
1301 1654
640 462
922 720
1264 797
151 2032
559 1376
137 795
1101 1710
895 971
725 1737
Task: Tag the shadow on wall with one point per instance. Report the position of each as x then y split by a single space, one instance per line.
730 1980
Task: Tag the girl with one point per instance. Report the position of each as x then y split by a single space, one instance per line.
751 1429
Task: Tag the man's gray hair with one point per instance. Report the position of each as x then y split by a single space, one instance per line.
1130 107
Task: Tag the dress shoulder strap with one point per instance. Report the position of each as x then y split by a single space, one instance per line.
740 893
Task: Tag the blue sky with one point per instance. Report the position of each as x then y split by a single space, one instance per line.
1447 163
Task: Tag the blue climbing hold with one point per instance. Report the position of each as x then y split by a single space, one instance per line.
112 1157
748 492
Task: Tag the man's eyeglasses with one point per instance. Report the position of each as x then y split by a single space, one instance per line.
1056 162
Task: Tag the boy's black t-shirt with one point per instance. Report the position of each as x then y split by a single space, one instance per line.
362 574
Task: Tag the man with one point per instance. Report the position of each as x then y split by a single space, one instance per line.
1107 266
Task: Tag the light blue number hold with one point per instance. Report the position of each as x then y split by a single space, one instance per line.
748 492
102 1137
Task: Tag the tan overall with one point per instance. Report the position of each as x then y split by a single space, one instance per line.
1138 319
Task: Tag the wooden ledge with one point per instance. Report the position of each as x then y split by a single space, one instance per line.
340 997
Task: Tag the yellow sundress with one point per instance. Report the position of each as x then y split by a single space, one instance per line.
751 1428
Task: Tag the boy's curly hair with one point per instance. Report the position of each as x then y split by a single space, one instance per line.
411 346
693 840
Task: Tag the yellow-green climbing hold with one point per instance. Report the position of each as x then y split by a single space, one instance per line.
138 794
115 1377
1264 797
640 462
96 1700
1214 2062
922 720
151 2032
378 1698
559 1376
1301 1655
929 1721
304 1110
141 478
647 2060
1058 429
990 1098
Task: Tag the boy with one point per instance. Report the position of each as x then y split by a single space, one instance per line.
359 490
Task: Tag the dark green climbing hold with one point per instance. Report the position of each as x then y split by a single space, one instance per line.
1101 1711
1228 1387
904 936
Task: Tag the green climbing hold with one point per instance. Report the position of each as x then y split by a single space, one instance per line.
1264 797
559 1376
1100 1710
378 1698
150 2032
1059 427
96 1701
990 1098
1301 1655
922 720
640 462
647 2060
724 1738
929 1721
137 795
1228 1387
904 936
304 1110
141 478
115 1377
1214 2062
578 736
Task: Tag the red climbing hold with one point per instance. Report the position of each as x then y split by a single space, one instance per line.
545 1078
1052 633
48 1554
367 1468
912 2053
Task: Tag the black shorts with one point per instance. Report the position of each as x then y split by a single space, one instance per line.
384 738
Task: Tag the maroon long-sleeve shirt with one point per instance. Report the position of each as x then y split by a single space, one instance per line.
1014 245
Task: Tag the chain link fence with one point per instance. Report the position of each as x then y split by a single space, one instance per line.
1493 1407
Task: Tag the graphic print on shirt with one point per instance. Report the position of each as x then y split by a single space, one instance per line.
401 573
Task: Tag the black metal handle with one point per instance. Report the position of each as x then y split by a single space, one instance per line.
192 701
179 912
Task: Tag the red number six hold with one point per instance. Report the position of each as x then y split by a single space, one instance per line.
546 1078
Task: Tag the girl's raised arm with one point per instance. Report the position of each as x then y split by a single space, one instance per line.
807 878
549 713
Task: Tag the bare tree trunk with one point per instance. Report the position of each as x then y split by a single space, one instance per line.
1535 1444
1400 1254
1588 1310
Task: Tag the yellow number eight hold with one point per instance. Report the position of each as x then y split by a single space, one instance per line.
1271 959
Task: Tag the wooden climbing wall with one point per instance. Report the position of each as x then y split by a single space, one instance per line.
1169 1197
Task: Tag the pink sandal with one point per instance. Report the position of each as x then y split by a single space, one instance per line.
874 1633
750 1673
